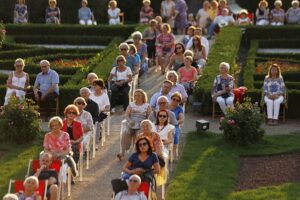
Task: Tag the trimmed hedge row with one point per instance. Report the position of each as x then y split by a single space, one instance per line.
224 49
249 68
264 59
24 53
94 62
279 43
67 29
63 39
287 56
14 46
278 32
69 10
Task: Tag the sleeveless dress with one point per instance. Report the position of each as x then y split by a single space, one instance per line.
17 81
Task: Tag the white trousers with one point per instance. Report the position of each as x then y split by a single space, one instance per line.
224 103
85 22
262 22
273 107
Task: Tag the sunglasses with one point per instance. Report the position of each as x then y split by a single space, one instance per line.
124 49
143 144
133 181
177 100
120 60
80 103
162 116
72 113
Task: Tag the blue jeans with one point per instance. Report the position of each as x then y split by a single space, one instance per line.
211 29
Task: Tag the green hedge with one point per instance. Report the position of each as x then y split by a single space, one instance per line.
69 10
278 56
265 59
224 49
63 39
276 32
24 53
249 68
67 29
14 46
279 43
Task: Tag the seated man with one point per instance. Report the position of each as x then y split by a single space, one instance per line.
132 192
44 173
165 91
46 86
85 14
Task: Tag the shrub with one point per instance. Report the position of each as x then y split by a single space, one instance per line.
241 125
20 121
2 33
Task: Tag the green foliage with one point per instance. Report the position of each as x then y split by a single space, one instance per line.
249 68
241 125
21 121
224 49
62 78
2 33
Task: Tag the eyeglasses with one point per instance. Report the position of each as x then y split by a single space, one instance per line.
72 113
143 144
133 181
80 103
177 100
120 60
124 49
162 116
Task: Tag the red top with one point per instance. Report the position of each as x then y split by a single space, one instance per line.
77 130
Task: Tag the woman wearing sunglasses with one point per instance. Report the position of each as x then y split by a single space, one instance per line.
175 107
144 160
86 120
176 60
74 129
163 128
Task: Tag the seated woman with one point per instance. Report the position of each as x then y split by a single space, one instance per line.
20 12
262 13
188 36
74 129
136 112
165 45
120 76
243 19
132 193
222 88
141 48
146 13
86 120
164 130
274 89
85 14
177 58
277 15
173 77
137 59
31 184
293 13
175 107
18 82
188 75
199 51
113 13
44 173
52 13
142 161
57 143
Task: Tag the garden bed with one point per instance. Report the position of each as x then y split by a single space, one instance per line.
268 170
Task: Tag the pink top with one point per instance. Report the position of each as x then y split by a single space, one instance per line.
57 144
187 75
165 39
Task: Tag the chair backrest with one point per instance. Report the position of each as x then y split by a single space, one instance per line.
18 186
54 165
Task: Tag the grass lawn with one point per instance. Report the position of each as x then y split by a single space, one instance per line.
14 162
208 169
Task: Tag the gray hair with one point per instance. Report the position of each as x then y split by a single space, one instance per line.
10 196
84 89
92 74
123 44
172 72
45 62
32 178
55 119
225 64
137 34
137 177
163 97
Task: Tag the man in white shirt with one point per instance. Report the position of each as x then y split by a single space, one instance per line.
204 41
220 21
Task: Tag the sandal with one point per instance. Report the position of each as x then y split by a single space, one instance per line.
120 156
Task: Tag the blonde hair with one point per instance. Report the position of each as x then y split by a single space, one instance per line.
145 98
121 56
52 1
55 119
225 64
137 34
279 2
31 178
190 58
146 1
79 99
158 19
278 71
71 107
20 60
132 48
10 197
263 1
123 44
168 27
177 94
112 2
188 53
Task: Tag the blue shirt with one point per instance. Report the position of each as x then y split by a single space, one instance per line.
84 13
45 80
153 100
147 164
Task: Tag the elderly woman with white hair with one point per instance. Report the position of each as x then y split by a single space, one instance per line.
31 184
173 77
10 196
90 79
113 13
293 13
141 48
277 15
17 82
222 88
146 12
132 193
52 13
